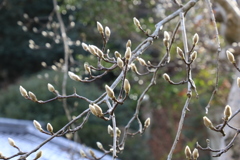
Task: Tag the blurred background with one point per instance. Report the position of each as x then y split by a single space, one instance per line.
32 55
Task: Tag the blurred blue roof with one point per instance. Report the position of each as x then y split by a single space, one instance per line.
27 137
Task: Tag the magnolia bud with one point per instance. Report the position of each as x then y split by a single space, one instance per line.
73 76
180 53
227 112
166 43
166 35
118 132
107 31
92 109
85 47
83 154
230 57
136 22
193 56
49 128
195 153
110 130
141 61
92 50
32 96
37 125
39 154
129 43
117 54
120 62
110 92
92 154
134 68
238 82
98 110
195 39
51 88
11 142
126 86
23 92
207 122
147 123
87 68
100 27
128 53
188 152
166 77
100 146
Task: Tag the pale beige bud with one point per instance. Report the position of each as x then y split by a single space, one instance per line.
238 82
134 68
92 109
166 43
136 22
188 152
147 123
141 61
83 154
98 110
193 56
110 130
37 125
120 62
128 53
38 155
195 39
92 50
32 96
23 92
49 128
117 54
166 77
100 146
85 46
51 88
73 76
118 132
195 154
92 154
227 112
129 43
100 28
166 35
207 122
107 31
230 57
127 86
109 91
11 142
87 68
180 53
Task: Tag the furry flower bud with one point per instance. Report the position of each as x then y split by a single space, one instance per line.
180 53
110 130
207 122
107 32
110 92
195 39
195 154
147 123
166 35
120 62
141 61
127 86
49 128
238 82
136 22
83 154
37 125
73 76
32 96
193 56
23 92
230 57
129 43
166 77
100 27
100 146
117 54
227 112
11 142
51 88
85 46
128 53
38 155
188 152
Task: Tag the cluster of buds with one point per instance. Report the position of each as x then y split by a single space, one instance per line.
110 131
191 155
30 95
96 110
101 30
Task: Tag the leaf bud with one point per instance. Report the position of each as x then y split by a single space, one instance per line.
188 152
227 112
128 53
51 88
166 35
85 46
38 155
100 27
117 54
11 142
110 130
207 122
195 39
195 154
193 56
238 82
110 92
166 77
73 76
107 32
100 146
83 154
49 128
37 125
32 96
180 53
127 86
230 57
120 62
136 22
141 61
129 43
147 123
23 92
